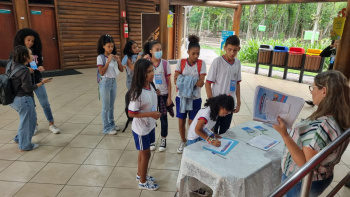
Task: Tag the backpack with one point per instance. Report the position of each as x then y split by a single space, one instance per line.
99 77
7 94
199 65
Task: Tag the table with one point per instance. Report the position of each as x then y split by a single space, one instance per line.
246 171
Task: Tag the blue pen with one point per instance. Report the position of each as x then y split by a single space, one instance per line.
218 155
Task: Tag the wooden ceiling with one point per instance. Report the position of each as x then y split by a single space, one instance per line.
252 2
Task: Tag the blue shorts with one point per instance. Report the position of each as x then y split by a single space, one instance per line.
189 142
145 141
191 114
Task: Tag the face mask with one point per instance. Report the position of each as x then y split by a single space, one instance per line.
158 54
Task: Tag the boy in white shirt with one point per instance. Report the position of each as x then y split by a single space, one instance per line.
224 77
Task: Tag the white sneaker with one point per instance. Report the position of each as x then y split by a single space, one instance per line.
152 146
54 129
149 185
181 147
162 146
113 132
36 129
116 128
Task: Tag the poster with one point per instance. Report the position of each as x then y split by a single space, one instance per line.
224 36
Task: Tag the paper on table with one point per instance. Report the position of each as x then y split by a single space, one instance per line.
274 109
226 146
263 142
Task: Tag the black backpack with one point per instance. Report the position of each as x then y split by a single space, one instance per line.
7 94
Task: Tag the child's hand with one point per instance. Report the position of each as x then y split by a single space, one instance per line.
158 92
200 83
31 70
116 57
216 143
169 101
147 56
110 57
155 115
217 136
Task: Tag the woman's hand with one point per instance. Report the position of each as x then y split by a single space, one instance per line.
155 115
41 68
281 127
31 70
46 80
216 143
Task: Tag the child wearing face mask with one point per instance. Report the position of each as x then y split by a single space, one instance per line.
162 72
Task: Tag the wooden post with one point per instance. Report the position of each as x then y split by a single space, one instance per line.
22 13
122 20
163 27
180 26
237 19
342 58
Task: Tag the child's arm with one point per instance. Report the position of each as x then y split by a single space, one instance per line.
208 89
238 96
103 69
200 82
168 102
120 66
176 75
130 64
198 129
154 114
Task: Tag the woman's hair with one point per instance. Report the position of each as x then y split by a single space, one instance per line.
139 78
194 42
337 100
104 39
22 33
223 100
148 46
20 54
128 48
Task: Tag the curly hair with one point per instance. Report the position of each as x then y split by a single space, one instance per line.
128 48
337 100
194 42
22 34
104 39
225 101
20 54
139 78
148 46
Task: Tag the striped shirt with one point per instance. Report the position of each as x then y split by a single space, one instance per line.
317 135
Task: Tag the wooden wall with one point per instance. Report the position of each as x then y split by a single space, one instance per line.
134 8
80 23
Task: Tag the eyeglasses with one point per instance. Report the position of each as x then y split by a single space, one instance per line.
311 88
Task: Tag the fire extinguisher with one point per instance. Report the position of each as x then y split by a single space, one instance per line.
126 30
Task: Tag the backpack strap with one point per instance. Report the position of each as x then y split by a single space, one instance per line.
165 68
183 64
8 67
199 65
103 64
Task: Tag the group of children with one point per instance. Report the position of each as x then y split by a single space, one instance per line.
149 86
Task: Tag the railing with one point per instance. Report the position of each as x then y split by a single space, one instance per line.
307 169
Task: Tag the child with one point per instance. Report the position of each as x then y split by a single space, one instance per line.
215 107
109 65
23 103
224 77
130 51
192 66
142 108
162 72
31 39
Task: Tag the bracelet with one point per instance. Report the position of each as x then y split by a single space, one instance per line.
210 140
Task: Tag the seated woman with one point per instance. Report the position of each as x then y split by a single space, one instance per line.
331 93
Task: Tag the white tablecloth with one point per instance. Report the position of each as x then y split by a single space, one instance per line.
246 171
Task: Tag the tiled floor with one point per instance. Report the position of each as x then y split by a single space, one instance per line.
81 161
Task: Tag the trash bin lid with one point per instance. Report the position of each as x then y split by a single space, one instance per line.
265 46
280 49
296 50
314 51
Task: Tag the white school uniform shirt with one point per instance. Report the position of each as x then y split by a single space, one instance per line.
203 114
192 70
159 77
224 77
146 102
110 73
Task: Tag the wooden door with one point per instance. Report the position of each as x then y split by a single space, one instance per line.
43 21
7 32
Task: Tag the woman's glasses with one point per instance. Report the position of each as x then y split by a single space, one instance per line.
311 88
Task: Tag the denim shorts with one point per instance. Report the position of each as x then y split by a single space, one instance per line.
189 142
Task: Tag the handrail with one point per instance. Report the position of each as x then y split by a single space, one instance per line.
339 185
292 180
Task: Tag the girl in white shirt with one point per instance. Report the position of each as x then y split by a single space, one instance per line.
143 108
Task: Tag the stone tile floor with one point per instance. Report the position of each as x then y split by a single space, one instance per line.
81 161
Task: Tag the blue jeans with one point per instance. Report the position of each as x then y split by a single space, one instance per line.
44 102
316 189
27 116
128 80
108 92
189 142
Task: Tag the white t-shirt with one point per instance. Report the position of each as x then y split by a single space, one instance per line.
203 114
146 102
159 77
191 70
110 73
224 76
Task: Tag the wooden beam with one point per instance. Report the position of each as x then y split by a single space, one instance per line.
342 59
180 19
256 2
122 20
237 19
22 13
203 3
163 27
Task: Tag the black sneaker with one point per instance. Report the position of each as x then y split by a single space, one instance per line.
162 146
310 103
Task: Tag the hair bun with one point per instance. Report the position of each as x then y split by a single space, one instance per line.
193 38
